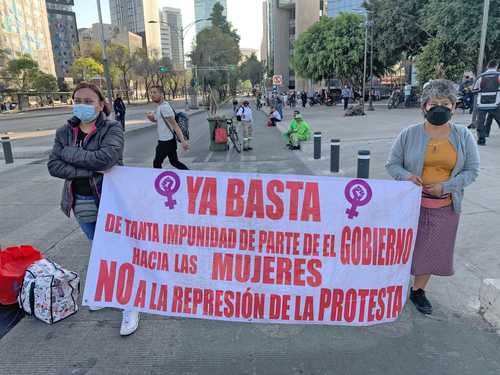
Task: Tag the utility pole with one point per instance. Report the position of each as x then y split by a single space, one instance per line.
370 107
484 29
105 56
364 68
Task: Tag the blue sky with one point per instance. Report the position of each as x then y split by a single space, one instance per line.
249 26
86 14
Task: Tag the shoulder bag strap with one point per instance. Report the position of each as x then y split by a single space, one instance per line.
168 125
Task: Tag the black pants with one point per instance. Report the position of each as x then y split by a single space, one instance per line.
120 116
346 103
483 125
167 149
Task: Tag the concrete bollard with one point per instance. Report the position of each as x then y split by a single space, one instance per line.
317 145
363 164
7 150
335 155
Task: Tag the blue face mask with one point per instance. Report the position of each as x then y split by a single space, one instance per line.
85 112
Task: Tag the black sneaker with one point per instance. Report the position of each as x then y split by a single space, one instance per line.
249 148
420 301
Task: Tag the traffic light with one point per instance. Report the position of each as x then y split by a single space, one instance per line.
163 69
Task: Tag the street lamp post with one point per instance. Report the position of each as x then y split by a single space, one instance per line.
105 56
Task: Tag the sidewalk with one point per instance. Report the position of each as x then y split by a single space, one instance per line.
453 341
62 109
476 254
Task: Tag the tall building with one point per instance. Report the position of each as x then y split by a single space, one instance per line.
63 34
286 20
118 35
172 43
265 33
24 29
335 7
136 15
203 9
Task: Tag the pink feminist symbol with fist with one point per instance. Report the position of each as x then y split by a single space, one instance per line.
167 184
358 193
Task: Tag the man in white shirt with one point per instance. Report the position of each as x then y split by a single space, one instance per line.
246 121
164 117
274 116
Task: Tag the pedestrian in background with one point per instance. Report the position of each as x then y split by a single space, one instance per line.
279 105
303 98
487 88
443 159
245 113
274 117
120 109
85 148
346 96
168 131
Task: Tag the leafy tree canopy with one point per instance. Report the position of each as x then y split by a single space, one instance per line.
252 69
86 68
333 46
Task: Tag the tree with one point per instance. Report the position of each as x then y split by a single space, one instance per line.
252 69
21 72
174 82
440 59
149 69
457 24
220 21
333 46
45 82
86 69
218 51
246 86
398 28
121 60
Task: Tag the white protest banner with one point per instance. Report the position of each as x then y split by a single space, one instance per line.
253 247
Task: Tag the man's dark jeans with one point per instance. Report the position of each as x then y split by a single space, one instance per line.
483 126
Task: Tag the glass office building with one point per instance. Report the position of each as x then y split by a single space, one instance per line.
335 7
203 9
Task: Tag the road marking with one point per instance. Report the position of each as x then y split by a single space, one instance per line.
209 156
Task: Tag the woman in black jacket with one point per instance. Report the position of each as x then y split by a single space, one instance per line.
87 146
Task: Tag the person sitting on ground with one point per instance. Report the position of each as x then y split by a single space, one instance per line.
274 117
299 131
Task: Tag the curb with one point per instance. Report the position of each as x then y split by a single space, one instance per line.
42 155
489 297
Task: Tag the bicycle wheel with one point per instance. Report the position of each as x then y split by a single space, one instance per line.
233 135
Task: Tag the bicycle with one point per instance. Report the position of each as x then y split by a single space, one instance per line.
233 135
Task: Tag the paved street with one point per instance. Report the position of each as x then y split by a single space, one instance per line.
455 340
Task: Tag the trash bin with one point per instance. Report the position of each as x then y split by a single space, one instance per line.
215 122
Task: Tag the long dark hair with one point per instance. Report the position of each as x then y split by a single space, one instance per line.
86 85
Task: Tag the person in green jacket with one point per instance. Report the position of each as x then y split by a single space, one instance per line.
299 131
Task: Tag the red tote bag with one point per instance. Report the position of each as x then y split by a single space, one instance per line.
13 263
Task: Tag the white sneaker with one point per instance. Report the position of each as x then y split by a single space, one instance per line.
130 322
95 308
